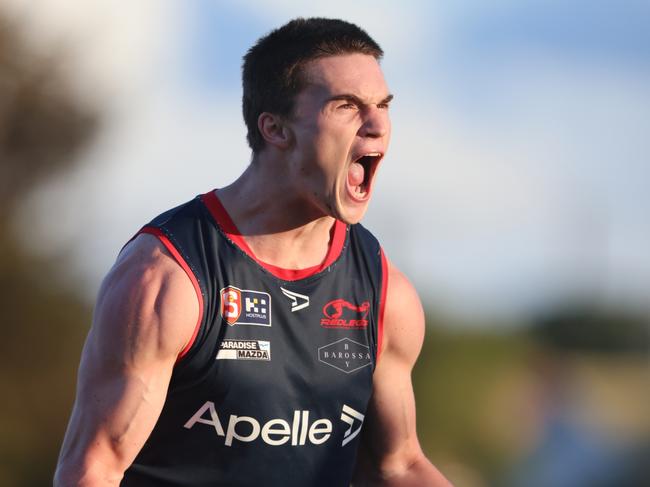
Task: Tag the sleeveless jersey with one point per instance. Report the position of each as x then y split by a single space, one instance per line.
273 388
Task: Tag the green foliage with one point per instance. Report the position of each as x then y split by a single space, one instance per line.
584 327
455 380
484 396
42 127
43 331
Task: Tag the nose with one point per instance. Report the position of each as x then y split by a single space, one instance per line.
376 123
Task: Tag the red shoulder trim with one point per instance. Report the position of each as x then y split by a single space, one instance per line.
222 218
181 261
382 301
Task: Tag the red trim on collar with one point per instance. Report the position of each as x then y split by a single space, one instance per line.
222 218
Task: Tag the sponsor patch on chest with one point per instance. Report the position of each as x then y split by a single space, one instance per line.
279 431
245 306
244 350
340 313
345 355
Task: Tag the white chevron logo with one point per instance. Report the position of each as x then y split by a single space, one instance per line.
298 301
349 415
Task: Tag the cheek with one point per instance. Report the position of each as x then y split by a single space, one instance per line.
335 145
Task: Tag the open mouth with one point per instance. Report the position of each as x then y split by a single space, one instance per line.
360 174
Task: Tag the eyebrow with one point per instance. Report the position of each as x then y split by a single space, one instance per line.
356 99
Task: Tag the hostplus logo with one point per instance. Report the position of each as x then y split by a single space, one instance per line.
298 431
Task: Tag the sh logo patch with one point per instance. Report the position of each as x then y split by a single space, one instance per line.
244 350
298 301
343 314
245 307
345 355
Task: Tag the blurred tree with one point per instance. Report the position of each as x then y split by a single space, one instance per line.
469 385
586 327
42 128
487 396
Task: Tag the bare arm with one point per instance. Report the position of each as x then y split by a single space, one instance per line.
390 454
146 312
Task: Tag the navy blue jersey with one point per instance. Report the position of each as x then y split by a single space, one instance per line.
273 388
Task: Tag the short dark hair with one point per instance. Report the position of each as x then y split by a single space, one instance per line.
272 73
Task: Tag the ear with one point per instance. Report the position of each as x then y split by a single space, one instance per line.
274 130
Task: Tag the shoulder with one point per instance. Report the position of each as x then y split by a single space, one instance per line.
403 322
143 261
189 210
147 294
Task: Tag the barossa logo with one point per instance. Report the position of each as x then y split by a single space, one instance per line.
278 431
343 314
345 355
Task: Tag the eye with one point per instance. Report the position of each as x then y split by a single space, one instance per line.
383 106
348 106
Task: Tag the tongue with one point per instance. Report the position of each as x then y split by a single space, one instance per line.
355 174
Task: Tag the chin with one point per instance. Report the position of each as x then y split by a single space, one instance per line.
346 209
352 215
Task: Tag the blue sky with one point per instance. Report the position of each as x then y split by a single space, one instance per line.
518 169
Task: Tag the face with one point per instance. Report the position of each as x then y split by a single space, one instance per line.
341 130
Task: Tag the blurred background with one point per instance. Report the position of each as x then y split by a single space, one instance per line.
515 195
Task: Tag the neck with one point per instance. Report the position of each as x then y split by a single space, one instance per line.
277 223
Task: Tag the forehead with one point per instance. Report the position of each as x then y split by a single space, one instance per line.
357 74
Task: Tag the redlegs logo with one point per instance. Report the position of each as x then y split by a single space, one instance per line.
343 314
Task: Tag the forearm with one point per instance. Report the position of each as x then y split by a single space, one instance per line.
69 474
88 457
419 472
105 435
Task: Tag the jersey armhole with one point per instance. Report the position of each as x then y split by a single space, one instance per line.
382 301
156 232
